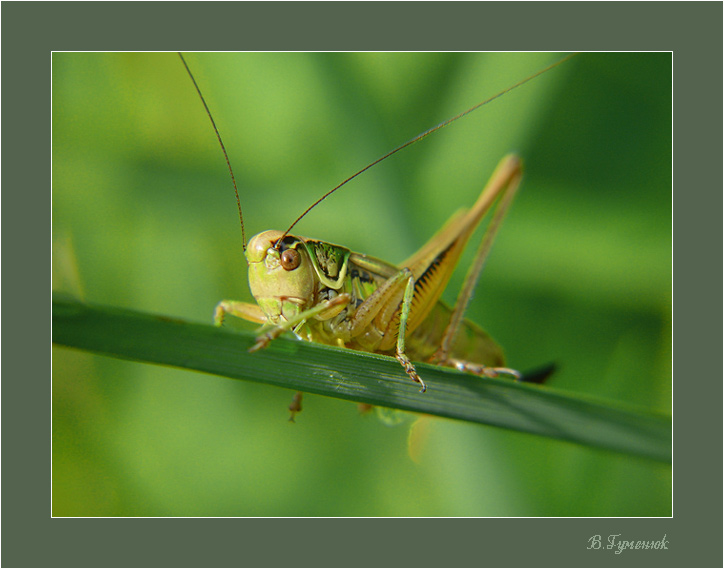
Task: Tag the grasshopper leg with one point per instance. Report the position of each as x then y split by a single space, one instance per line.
479 369
502 185
326 309
400 353
253 313
244 310
295 406
384 304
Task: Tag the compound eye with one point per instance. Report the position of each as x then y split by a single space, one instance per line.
290 259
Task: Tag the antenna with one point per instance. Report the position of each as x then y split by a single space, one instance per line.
420 137
223 148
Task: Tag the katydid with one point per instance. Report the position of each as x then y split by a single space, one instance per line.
331 295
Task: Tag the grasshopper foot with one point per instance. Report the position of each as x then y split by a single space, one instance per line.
261 342
219 314
265 338
439 357
296 405
485 371
411 371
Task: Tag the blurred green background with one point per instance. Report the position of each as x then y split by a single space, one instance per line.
144 217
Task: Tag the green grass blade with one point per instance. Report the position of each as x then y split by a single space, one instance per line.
361 377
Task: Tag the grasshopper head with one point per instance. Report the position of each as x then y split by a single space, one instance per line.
281 279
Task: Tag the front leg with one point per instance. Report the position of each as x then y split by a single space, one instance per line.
254 313
244 310
325 310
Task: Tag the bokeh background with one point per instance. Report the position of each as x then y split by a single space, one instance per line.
144 217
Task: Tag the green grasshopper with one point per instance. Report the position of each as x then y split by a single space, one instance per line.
328 294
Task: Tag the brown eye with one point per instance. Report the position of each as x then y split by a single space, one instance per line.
290 259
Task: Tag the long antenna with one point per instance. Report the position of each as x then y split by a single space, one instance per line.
223 148
420 137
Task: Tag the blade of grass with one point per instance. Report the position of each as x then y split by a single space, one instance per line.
361 377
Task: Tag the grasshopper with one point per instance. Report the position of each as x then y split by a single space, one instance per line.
329 294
